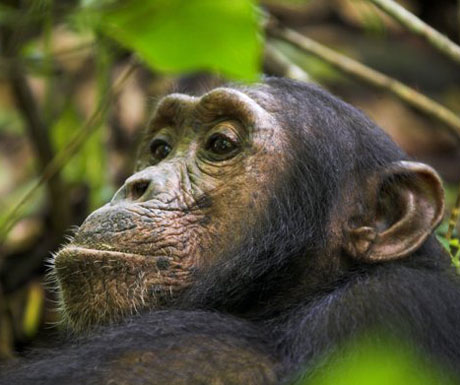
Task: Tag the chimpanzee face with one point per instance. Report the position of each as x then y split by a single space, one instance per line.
204 170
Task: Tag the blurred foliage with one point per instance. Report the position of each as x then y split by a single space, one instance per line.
371 19
452 246
89 164
365 362
317 69
182 36
33 310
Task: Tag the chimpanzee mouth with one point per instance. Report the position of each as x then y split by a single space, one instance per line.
98 253
101 287
85 257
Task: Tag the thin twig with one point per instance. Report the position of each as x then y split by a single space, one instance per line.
418 27
282 65
61 159
367 74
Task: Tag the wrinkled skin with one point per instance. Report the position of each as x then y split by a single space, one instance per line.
186 202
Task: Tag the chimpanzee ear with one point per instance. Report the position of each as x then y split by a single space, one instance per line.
407 203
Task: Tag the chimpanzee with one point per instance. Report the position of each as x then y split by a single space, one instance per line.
264 227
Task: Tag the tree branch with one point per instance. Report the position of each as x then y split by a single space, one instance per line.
362 72
278 63
418 27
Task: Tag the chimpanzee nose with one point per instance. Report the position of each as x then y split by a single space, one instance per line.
146 185
137 189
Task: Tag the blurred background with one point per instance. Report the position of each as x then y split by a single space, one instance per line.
79 78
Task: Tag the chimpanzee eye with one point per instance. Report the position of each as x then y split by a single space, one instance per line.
220 144
159 149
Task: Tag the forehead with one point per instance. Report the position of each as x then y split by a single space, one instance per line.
251 106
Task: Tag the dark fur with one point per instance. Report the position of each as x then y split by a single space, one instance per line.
268 296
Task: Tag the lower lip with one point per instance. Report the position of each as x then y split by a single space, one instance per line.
75 250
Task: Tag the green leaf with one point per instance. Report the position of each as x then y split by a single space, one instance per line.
444 242
177 36
454 242
366 362
33 310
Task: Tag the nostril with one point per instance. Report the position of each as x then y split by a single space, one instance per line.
137 189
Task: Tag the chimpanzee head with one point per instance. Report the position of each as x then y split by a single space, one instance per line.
246 190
